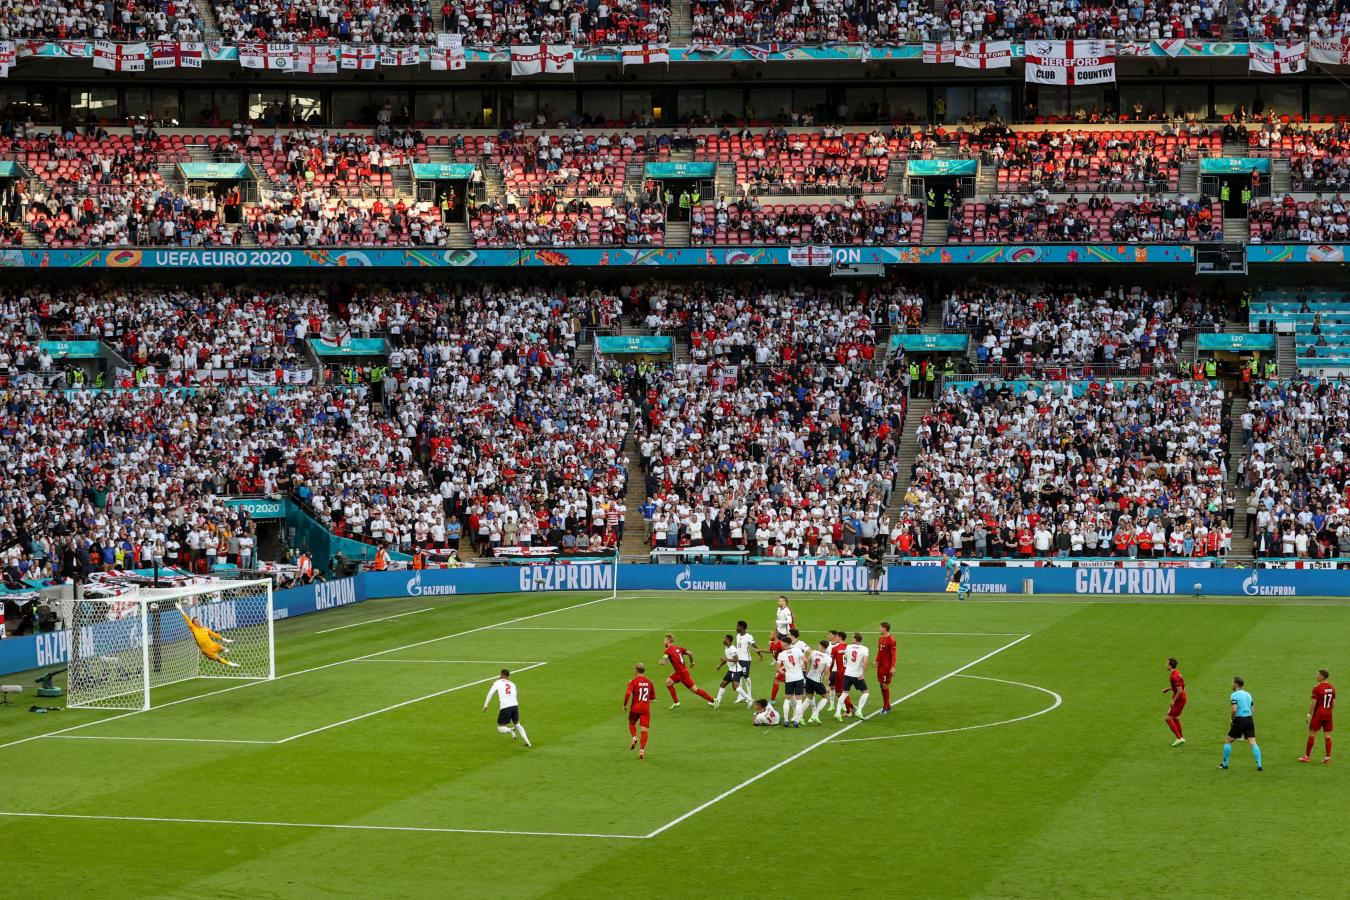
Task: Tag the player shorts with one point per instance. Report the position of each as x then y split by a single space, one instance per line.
683 678
851 683
779 678
1178 704
1242 729
640 718
795 688
815 688
508 715
745 668
1320 723
885 677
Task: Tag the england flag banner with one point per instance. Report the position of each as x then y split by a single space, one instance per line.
361 58
448 54
1278 58
177 54
983 55
399 56
937 52
543 59
7 57
1070 62
1334 52
277 57
120 57
316 59
645 54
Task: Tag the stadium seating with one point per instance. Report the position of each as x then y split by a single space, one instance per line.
1304 221
573 224
1102 469
314 218
88 20
1319 322
1122 159
507 22
1297 483
850 222
307 21
1058 331
826 161
1032 218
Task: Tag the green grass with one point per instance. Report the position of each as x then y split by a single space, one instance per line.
1084 800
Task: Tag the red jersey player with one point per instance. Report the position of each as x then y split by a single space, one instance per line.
676 656
776 646
885 664
837 647
1319 715
1176 686
638 701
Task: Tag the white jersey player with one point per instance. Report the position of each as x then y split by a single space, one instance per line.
765 714
855 676
745 645
508 707
818 666
792 665
783 620
731 659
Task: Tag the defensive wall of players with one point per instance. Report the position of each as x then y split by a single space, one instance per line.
52 649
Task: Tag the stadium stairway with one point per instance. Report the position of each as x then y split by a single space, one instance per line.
1237 451
634 531
1285 356
1188 180
1236 230
909 449
934 231
1281 182
677 234
210 27
681 23
457 234
725 184
493 182
895 179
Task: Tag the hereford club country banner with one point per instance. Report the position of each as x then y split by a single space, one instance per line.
1070 62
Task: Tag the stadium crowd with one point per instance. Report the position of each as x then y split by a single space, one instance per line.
850 221
1036 217
792 460
1305 221
508 22
1039 328
321 21
1120 470
1294 433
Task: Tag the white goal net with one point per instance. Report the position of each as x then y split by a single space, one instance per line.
123 647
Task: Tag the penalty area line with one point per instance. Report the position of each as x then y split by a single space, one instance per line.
373 621
1057 702
340 662
827 739
337 826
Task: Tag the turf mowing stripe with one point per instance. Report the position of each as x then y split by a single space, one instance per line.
1035 687
723 630
372 621
249 684
332 825
392 707
830 737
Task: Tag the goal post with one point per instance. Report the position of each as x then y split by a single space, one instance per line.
124 647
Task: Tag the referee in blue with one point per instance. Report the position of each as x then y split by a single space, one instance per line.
1242 727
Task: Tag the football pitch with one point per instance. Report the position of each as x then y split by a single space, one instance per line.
1026 757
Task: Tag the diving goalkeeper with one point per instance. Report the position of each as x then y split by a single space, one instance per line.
210 643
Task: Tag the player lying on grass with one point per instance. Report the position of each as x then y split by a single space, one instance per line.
210 643
764 714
